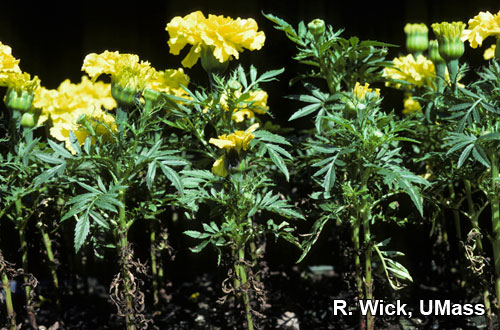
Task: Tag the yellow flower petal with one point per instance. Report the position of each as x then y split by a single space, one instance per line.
225 36
490 52
219 167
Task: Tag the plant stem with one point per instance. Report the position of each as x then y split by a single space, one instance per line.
50 254
154 269
357 265
21 228
242 280
495 222
125 257
475 224
365 214
8 297
456 215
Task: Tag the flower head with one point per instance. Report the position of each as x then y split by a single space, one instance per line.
482 26
316 27
125 69
239 140
256 102
169 82
451 47
73 105
410 104
223 36
490 52
361 91
434 52
236 142
416 37
419 72
8 63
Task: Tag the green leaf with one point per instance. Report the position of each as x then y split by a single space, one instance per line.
172 175
465 153
199 247
308 109
59 149
270 137
74 143
279 162
81 231
196 234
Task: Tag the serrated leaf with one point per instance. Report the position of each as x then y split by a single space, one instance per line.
74 142
308 109
173 177
81 232
196 234
279 162
465 153
59 149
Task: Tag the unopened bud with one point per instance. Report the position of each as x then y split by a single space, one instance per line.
316 27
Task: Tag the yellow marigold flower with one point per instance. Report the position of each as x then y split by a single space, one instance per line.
490 52
125 69
99 121
239 140
482 26
8 63
169 82
418 72
410 104
21 81
68 97
223 36
360 91
255 103
219 167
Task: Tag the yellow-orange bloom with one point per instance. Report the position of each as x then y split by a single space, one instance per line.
482 26
256 102
71 103
420 72
219 167
8 63
411 105
239 140
360 91
125 69
169 82
490 52
224 36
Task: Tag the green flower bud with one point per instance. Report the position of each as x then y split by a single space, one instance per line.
417 39
316 27
451 47
28 119
151 95
124 96
234 85
434 52
210 63
19 101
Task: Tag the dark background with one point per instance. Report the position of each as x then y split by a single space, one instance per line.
52 39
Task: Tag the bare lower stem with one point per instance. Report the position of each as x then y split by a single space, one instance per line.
125 257
50 254
8 300
242 277
21 224
475 224
154 269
